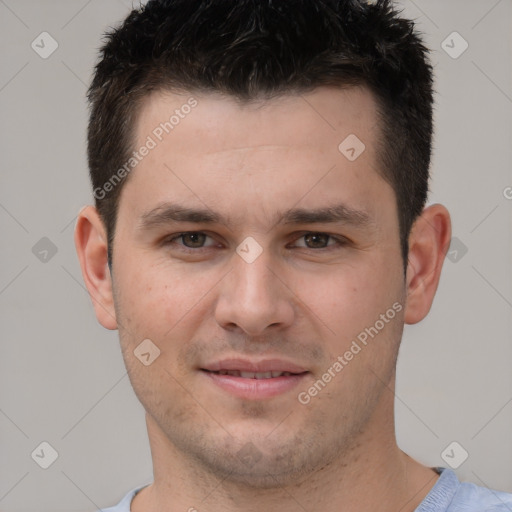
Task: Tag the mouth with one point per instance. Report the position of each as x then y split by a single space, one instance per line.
253 375
254 380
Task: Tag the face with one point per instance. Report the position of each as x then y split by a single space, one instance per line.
295 257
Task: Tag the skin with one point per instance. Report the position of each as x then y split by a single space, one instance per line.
299 301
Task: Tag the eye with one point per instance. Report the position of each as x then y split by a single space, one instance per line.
193 241
190 240
320 240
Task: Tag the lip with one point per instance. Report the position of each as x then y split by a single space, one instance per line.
245 365
255 389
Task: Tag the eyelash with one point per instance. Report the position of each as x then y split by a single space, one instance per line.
340 241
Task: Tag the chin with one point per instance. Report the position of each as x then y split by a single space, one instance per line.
263 461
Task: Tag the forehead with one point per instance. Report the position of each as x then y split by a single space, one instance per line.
271 154
321 117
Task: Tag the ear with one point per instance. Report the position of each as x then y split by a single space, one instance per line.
429 242
91 247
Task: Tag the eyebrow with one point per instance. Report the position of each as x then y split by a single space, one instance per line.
167 213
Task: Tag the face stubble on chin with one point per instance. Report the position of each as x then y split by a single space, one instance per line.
306 308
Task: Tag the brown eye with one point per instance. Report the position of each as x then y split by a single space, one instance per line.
190 241
320 241
316 240
193 240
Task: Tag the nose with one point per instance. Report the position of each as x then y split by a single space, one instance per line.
254 297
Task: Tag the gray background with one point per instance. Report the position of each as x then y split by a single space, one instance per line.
62 379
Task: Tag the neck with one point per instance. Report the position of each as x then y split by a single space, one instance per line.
373 474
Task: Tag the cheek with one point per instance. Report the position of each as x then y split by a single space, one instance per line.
156 298
342 299
346 303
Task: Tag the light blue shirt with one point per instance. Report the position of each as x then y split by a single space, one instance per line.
447 495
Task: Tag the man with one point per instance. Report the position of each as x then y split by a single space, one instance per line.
260 237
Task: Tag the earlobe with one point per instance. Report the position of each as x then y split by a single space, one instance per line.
428 243
91 247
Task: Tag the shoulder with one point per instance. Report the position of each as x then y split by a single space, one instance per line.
124 504
451 495
471 497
